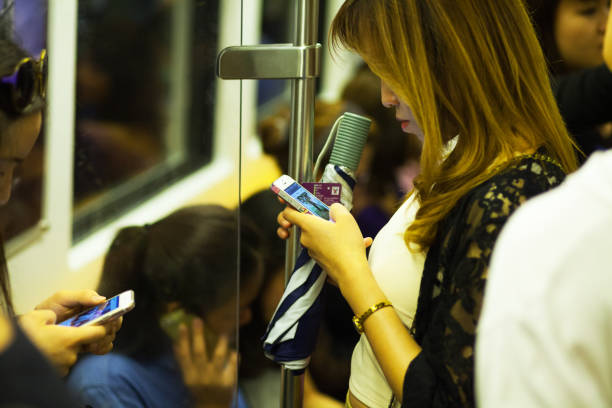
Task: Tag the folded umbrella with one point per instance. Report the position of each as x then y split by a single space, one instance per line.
292 333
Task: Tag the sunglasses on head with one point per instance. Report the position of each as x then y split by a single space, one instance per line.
27 83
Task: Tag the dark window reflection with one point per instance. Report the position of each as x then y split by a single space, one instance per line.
131 140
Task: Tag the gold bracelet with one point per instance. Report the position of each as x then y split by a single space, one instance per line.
358 321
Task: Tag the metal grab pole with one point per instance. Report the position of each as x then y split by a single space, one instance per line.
298 62
300 163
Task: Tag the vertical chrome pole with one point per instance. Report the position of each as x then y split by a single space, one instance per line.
300 162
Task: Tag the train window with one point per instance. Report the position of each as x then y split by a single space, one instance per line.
144 101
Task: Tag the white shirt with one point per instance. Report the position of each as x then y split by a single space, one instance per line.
398 272
545 333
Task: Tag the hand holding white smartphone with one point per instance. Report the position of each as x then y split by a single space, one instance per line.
298 197
111 309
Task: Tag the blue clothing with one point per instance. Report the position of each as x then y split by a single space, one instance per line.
115 380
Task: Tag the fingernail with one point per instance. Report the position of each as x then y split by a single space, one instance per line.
98 298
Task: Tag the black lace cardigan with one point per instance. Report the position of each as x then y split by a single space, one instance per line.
453 282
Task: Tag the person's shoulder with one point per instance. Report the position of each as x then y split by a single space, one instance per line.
555 246
560 226
529 175
520 181
503 192
576 208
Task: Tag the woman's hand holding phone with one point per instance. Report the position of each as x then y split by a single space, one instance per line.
211 379
67 303
60 344
337 246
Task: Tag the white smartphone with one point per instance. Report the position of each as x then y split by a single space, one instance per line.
111 309
298 197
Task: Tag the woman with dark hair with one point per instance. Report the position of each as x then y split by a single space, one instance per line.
184 273
477 94
571 33
22 92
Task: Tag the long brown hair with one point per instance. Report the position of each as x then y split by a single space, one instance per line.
469 67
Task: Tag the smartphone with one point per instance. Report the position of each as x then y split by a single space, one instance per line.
111 309
298 197
171 321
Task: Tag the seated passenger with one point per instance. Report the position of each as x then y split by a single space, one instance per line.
184 272
260 377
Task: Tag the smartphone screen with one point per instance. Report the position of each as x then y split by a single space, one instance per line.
90 314
312 203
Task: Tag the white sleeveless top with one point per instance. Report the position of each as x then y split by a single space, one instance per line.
398 273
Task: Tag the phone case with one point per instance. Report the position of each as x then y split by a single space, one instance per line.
311 199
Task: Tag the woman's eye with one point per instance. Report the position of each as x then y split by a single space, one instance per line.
589 11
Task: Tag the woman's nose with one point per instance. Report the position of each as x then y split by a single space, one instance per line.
387 97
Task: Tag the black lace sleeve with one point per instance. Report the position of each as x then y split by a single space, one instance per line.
453 283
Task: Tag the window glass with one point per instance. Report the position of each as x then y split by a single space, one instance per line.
144 101
277 27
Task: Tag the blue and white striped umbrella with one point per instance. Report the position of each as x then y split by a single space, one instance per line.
292 333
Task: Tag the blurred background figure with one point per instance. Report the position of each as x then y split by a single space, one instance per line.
571 33
178 347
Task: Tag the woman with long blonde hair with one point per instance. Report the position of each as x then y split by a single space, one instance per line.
469 78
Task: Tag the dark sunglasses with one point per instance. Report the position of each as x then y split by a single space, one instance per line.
27 83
